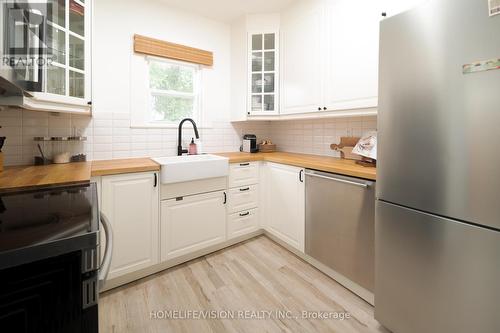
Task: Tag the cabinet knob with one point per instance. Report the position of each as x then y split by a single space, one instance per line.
324 108
319 108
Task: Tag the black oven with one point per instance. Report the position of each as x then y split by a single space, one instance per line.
50 263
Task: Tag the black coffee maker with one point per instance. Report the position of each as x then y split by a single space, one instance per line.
249 144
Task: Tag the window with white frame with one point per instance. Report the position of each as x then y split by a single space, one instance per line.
174 91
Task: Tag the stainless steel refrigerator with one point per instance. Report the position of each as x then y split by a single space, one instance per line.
438 177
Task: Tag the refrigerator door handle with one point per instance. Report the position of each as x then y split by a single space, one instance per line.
364 185
106 261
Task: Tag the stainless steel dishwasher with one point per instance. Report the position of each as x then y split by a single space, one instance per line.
340 225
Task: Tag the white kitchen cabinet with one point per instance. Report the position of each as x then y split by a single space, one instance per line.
301 57
351 65
192 223
330 56
285 204
245 173
131 203
62 81
263 73
243 198
242 223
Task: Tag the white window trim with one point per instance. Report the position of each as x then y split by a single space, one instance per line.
197 93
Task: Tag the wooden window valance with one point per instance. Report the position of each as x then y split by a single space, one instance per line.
160 48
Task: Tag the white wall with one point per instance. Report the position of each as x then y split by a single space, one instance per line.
117 79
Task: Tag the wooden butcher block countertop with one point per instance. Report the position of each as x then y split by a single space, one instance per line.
321 163
127 165
32 177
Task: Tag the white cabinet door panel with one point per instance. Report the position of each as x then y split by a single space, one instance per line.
130 202
285 204
351 79
192 223
301 58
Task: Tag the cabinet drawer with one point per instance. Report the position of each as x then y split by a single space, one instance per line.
241 174
242 223
242 198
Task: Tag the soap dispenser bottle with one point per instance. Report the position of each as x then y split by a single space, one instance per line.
192 148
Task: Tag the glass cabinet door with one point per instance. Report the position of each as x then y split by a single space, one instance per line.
263 74
67 43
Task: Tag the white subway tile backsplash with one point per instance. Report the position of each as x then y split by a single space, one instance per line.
102 155
315 136
121 147
102 147
121 154
121 123
103 123
139 146
121 131
102 115
121 139
103 131
109 135
103 139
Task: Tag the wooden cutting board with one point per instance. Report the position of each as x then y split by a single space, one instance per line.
346 146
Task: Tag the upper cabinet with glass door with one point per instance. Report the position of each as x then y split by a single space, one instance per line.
263 74
66 84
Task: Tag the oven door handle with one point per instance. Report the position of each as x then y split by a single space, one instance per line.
106 260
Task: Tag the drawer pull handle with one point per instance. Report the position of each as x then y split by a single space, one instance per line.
244 189
244 214
244 164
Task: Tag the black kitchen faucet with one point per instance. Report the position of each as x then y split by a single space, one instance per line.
181 151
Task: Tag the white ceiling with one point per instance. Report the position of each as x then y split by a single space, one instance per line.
229 10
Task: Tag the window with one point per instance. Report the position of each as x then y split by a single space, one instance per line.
174 92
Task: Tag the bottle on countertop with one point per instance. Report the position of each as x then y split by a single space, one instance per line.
192 148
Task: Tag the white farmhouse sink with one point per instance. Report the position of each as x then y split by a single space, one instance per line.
176 169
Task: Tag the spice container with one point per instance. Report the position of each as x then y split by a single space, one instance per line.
62 149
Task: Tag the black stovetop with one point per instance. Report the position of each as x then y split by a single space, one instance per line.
45 216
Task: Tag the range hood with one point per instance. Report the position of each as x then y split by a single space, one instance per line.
12 94
10 90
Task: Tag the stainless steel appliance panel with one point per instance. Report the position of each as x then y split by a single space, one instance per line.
438 128
434 274
340 213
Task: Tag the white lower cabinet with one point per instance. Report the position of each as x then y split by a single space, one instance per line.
130 201
192 223
285 203
243 198
242 223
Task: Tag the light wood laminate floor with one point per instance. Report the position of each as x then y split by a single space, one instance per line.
247 279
